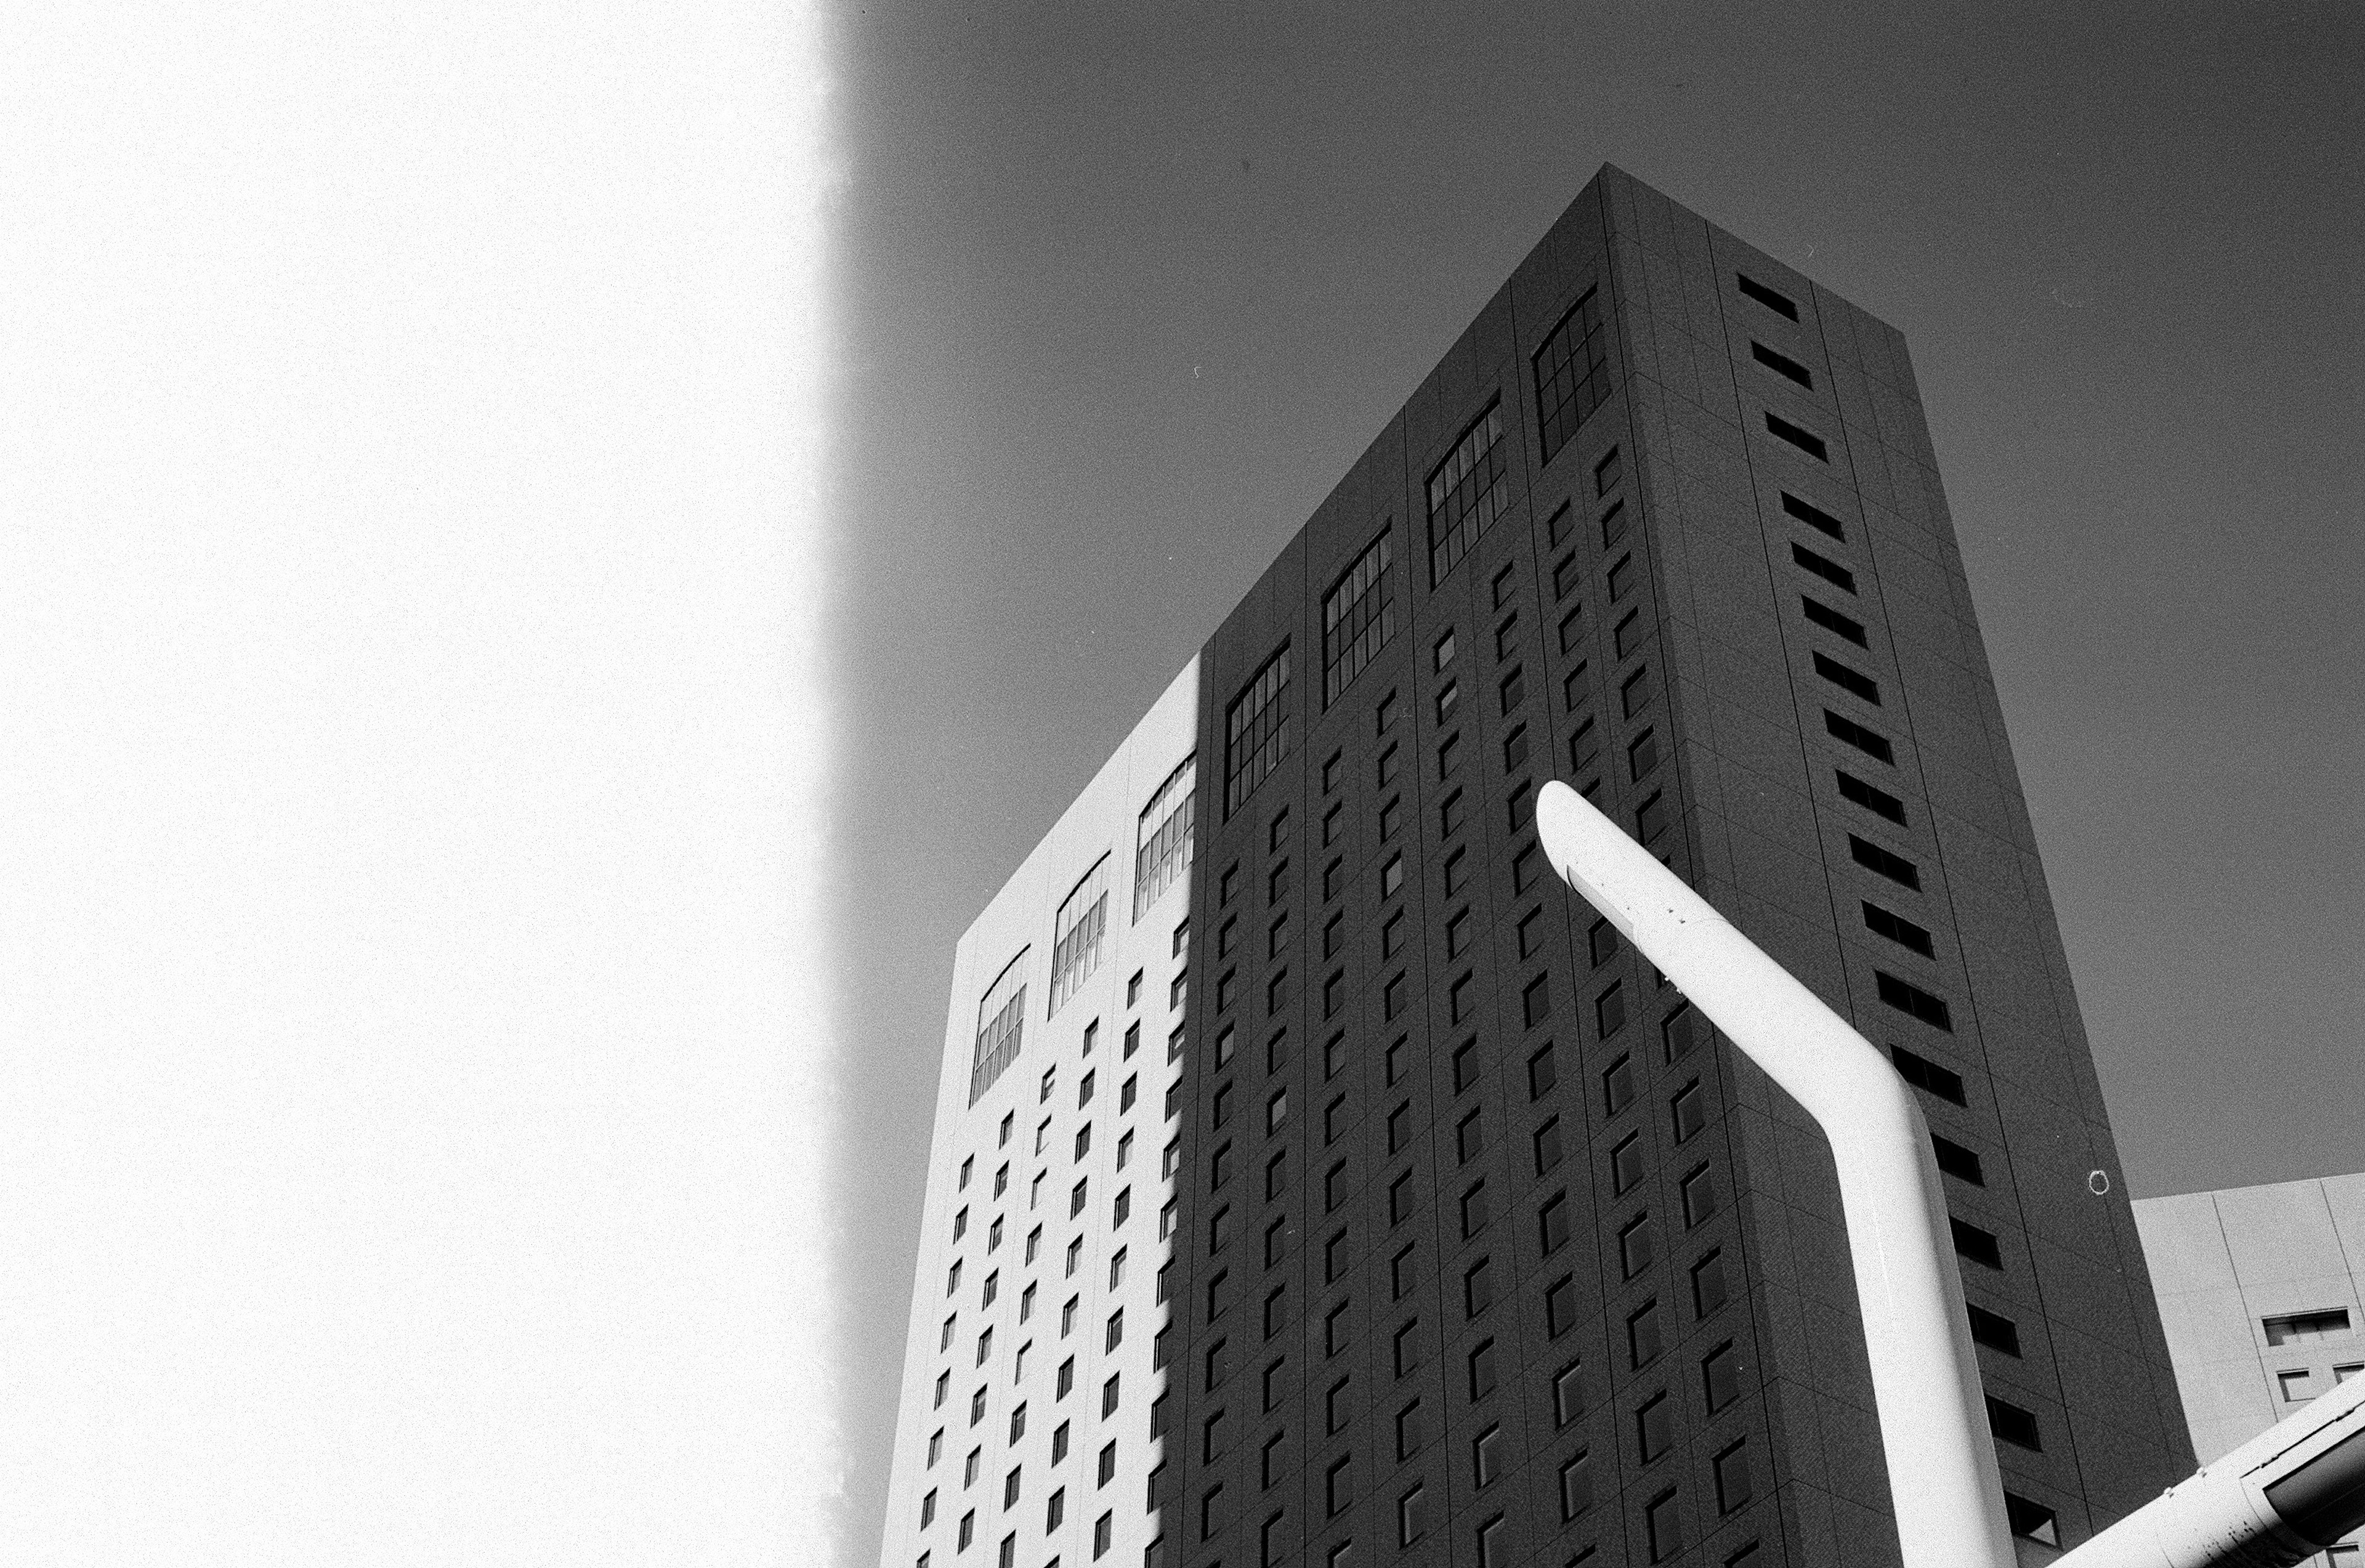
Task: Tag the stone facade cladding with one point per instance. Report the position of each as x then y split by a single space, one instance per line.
1450 1170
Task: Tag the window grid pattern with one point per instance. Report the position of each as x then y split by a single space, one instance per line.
1467 492
1076 933
1571 373
1358 616
1000 1022
1256 731
1162 843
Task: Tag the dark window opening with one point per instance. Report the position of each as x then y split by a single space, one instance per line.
1871 741
1954 1160
1831 571
2013 1425
1831 620
1911 1000
1994 1331
1812 516
1779 304
1879 802
1804 440
1978 1245
1897 929
1782 364
1924 1074
1873 857
1853 682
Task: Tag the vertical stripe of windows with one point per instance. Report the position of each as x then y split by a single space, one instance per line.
1572 370
1467 492
999 1020
1162 840
1076 933
1255 729
1359 615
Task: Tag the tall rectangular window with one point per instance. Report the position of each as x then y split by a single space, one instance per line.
1076 933
999 1020
1255 729
1359 614
1571 373
1162 842
1467 492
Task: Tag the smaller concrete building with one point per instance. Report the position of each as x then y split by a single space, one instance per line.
2262 1295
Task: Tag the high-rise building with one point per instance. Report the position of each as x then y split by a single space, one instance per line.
2262 1295
1318 1181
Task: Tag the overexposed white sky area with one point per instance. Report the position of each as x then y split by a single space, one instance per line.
412 751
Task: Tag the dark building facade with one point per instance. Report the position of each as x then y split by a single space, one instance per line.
1487 1251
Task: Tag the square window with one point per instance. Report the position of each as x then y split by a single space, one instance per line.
1412 1516
1618 1085
1644 1338
1689 1110
1482 1370
1568 1394
1662 1527
1486 1454
1654 1428
1635 692
1638 1245
1700 1196
1575 1487
1721 1377
1627 1163
1543 1071
1559 1306
1609 1010
1548 1145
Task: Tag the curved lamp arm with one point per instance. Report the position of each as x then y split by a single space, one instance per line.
1942 1480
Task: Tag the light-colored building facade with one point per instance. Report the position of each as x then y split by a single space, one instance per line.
1023 1430
2262 1295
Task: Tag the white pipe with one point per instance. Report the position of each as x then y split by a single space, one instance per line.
2285 1494
1942 1480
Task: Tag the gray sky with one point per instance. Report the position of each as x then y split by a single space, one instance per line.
1124 289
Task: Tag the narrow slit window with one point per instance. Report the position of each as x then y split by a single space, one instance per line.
1853 682
1872 743
1780 304
1873 858
1782 364
1823 566
1897 929
1814 516
1879 802
1799 436
1831 620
